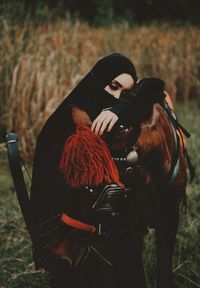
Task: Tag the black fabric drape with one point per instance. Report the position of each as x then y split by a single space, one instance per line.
46 196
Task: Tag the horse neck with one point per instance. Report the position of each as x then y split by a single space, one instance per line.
156 145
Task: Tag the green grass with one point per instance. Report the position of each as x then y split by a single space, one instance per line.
16 266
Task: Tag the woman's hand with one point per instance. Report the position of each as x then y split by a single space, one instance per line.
104 121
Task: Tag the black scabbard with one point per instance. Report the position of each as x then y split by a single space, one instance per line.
18 179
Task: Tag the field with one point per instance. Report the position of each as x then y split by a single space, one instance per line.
17 269
39 65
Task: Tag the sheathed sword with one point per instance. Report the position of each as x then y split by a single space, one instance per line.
12 143
11 140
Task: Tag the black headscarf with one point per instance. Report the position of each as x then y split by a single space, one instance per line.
89 95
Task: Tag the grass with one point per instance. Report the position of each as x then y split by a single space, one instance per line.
16 266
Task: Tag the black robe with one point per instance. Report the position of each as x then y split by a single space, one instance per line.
90 96
47 196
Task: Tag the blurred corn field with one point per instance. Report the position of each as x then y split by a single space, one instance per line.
39 65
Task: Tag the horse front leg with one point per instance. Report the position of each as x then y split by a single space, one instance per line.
166 228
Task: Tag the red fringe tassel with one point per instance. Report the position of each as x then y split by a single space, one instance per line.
86 160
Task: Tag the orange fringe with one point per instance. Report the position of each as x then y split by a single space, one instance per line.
86 160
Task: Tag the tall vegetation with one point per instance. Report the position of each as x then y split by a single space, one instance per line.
39 65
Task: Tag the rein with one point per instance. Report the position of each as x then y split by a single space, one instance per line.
175 161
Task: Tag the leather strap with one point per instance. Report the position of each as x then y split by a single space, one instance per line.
76 223
18 179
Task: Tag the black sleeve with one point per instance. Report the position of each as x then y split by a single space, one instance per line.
45 195
147 90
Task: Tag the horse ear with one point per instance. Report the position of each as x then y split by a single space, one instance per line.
80 117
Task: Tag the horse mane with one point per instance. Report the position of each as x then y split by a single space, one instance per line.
156 146
157 137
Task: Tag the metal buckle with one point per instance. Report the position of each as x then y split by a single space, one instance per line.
100 232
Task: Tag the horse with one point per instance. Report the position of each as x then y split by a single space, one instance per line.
154 184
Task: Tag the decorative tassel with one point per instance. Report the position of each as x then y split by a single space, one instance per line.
86 160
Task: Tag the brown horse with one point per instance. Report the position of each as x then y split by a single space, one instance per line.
158 180
157 145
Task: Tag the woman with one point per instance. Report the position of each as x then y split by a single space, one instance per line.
98 96
90 96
